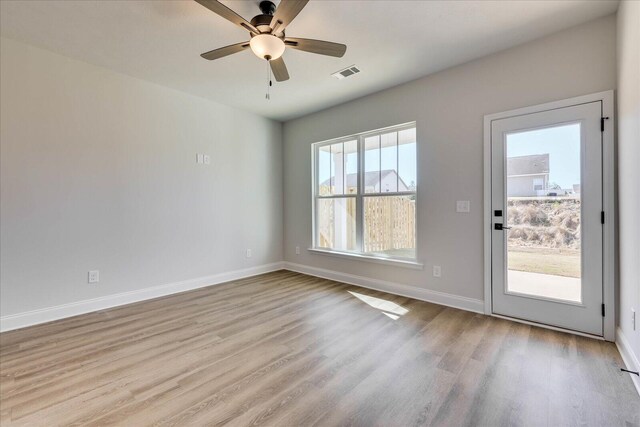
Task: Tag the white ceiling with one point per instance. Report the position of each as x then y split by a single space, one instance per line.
390 41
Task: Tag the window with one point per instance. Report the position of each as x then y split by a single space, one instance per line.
365 194
538 184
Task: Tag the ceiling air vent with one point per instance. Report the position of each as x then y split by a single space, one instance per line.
349 71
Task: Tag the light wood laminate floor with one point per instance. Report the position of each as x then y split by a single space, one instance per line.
286 349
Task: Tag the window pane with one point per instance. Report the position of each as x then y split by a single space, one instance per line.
389 162
336 224
389 226
372 164
324 170
544 212
407 160
335 163
351 166
337 169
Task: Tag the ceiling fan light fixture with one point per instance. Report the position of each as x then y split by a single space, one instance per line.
267 46
267 34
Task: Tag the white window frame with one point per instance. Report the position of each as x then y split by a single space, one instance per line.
359 198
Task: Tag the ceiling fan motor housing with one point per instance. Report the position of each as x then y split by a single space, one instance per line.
267 7
263 22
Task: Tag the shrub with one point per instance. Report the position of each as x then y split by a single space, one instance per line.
544 222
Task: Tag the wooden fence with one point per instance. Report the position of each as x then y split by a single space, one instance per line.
389 223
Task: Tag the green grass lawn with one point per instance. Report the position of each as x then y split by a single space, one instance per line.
546 261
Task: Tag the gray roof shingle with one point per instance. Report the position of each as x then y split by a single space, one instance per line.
528 165
371 179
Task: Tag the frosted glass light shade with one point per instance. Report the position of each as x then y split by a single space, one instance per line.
266 45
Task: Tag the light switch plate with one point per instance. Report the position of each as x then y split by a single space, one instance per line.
207 159
463 206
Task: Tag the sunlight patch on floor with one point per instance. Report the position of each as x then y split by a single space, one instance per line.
392 316
389 308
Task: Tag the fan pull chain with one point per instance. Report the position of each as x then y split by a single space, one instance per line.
268 95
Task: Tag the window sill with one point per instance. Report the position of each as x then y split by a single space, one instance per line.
414 265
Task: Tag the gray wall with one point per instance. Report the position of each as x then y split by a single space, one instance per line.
98 172
628 171
448 107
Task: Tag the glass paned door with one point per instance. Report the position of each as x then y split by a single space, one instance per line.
546 203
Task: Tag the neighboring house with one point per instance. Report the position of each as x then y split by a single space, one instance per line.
528 176
374 182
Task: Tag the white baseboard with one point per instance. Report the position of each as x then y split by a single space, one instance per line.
628 357
30 318
442 298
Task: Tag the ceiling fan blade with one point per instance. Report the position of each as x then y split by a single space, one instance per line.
216 7
320 47
286 11
225 51
279 69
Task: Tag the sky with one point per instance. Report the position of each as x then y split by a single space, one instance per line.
561 142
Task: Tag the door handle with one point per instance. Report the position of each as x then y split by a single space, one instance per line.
500 227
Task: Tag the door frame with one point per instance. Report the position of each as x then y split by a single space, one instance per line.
609 200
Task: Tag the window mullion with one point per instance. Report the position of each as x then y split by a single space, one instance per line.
332 178
359 191
315 193
379 163
343 168
397 161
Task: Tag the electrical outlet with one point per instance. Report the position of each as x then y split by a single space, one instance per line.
437 271
463 206
297 250
207 159
248 253
94 276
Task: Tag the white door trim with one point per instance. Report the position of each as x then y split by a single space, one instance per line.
609 201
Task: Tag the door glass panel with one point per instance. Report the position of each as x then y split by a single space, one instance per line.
543 211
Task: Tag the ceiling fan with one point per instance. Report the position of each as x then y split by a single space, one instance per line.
268 40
